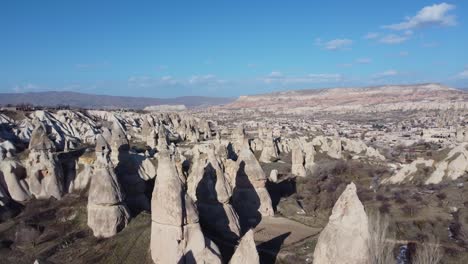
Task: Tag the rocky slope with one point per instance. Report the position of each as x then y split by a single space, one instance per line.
423 96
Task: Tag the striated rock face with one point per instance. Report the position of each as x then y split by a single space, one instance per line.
345 238
13 177
107 213
270 150
359 147
118 142
274 175
367 99
45 175
39 139
452 167
462 134
209 187
407 172
309 156
163 141
298 160
250 197
239 138
176 235
329 145
246 251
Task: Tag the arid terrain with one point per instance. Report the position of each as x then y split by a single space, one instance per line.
342 175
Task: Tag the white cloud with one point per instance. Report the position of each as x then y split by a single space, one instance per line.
338 44
23 88
371 35
208 79
393 39
463 74
164 81
278 77
434 15
334 44
388 73
364 60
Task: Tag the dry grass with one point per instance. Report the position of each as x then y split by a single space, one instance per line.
428 252
379 245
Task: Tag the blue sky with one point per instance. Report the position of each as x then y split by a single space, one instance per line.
229 48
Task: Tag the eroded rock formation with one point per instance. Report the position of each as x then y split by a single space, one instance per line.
344 239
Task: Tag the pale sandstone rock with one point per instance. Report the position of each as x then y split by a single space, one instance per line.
309 150
13 178
107 212
176 235
298 160
246 251
406 173
453 166
250 196
270 150
45 175
273 175
208 186
82 179
344 239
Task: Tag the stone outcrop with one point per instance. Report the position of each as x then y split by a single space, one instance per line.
246 251
13 177
85 169
45 175
239 138
250 196
329 145
107 213
119 142
452 167
360 148
345 238
270 150
274 175
176 235
408 171
298 160
207 185
309 150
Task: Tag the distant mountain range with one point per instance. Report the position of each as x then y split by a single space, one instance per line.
93 101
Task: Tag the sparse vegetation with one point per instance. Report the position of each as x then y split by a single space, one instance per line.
428 252
380 244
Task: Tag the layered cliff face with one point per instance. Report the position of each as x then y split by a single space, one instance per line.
421 96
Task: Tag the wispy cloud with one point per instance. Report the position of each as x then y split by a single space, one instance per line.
363 60
207 79
170 81
463 74
334 44
434 15
278 77
393 39
371 35
385 74
28 87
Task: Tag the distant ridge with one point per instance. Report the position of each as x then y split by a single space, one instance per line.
354 97
93 101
